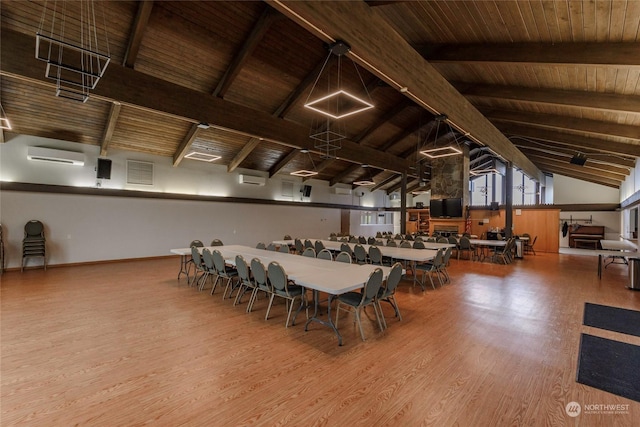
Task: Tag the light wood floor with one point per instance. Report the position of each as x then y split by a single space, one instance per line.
126 344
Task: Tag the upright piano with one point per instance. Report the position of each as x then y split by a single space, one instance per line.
586 236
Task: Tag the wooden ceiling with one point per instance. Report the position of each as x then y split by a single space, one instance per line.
533 82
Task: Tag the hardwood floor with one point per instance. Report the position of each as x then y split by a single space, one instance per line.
125 344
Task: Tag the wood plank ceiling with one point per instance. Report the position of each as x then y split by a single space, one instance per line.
533 82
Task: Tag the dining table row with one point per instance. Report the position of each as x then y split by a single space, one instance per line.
317 275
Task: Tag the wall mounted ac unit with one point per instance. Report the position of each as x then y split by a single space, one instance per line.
55 156
253 180
342 190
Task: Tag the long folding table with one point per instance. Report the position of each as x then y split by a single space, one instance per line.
414 256
318 275
614 249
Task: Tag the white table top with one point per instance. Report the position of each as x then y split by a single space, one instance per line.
481 242
418 255
618 245
322 275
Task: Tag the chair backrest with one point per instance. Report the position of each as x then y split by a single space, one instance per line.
362 240
405 244
499 236
284 249
378 234
353 239
277 277
453 240
418 244
534 241
309 252
271 247
299 246
287 237
465 243
218 260
307 243
333 238
217 242
418 239
392 243
259 272
207 259
196 243
197 259
371 288
447 255
360 253
443 240
325 254
33 228
431 240
526 235
378 242
319 246
375 255
393 279
346 248
437 261
243 269
344 239
397 237
371 241
409 237
344 257
468 235
261 245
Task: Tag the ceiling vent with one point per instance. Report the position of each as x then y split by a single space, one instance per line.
55 156
252 180
579 159
139 173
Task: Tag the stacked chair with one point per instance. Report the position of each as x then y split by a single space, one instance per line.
33 244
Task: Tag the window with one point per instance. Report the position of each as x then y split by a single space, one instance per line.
485 189
376 218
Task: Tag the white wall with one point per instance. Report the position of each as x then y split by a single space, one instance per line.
631 185
610 220
573 191
83 228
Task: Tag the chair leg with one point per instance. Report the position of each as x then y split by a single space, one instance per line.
357 311
378 310
266 316
384 321
392 300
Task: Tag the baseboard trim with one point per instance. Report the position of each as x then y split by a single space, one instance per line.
76 264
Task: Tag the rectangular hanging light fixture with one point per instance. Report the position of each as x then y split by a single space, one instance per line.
349 104
364 183
203 157
304 173
438 152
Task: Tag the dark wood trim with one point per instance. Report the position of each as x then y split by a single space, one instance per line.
546 160
106 261
283 162
386 182
297 93
589 164
243 154
348 171
390 114
603 54
108 192
184 146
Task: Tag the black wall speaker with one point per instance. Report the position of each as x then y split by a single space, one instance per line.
579 159
306 191
103 169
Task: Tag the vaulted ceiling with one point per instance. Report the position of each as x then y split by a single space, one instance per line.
533 82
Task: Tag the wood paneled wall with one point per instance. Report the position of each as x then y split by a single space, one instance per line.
544 223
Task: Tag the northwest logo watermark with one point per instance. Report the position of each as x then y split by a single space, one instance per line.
573 409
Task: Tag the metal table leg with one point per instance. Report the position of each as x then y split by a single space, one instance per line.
316 312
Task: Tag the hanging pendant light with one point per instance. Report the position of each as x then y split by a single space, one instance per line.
434 152
305 173
75 49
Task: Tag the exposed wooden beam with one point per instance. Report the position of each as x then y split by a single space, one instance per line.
413 187
485 156
577 141
602 54
593 127
397 186
583 169
589 164
575 98
385 182
294 96
378 47
283 162
342 175
110 127
390 114
139 27
185 145
251 42
243 154
552 147
577 175
401 136
1 136
134 88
